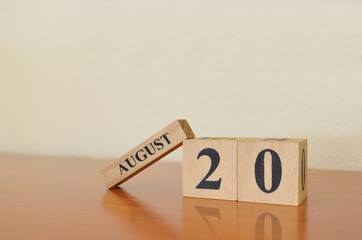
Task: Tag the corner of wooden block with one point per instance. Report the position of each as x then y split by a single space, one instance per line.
186 128
301 198
103 174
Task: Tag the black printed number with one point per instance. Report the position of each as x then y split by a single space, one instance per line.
215 160
276 171
303 170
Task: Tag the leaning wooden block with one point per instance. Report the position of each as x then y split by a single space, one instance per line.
147 153
210 168
272 170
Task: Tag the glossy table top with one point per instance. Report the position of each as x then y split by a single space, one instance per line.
65 198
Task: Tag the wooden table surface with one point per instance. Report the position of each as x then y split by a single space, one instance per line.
64 198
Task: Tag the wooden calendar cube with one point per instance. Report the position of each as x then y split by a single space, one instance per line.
210 168
272 170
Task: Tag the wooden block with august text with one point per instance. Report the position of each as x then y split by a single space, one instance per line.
272 170
210 168
148 152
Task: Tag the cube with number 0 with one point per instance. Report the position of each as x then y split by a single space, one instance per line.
210 168
272 170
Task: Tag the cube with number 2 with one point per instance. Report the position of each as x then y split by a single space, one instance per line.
210 168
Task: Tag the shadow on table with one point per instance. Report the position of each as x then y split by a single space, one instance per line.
219 219
141 221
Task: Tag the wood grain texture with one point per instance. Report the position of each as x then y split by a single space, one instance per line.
147 153
64 198
270 170
210 162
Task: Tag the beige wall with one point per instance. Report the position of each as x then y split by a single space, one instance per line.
94 78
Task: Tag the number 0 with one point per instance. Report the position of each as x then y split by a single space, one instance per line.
303 170
276 171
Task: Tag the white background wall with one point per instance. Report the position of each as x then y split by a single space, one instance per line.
95 78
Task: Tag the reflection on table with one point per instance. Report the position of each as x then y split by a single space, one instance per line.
219 219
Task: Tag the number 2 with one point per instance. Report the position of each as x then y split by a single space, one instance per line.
215 160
